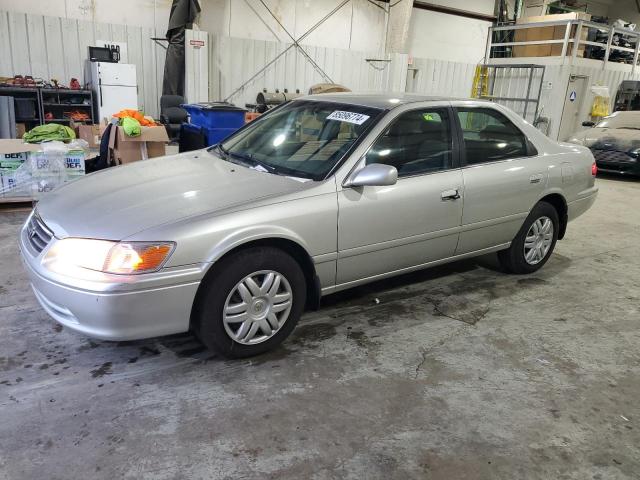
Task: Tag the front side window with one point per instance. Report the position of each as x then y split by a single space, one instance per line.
302 138
489 136
416 142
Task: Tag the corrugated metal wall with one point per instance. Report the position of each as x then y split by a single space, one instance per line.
552 100
233 61
440 77
54 47
437 77
517 83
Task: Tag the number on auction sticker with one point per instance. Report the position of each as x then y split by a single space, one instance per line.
349 117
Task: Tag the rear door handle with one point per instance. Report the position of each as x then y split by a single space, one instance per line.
452 194
536 178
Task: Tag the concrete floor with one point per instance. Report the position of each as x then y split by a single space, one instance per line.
458 372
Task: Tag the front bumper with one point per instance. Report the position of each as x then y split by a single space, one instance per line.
115 307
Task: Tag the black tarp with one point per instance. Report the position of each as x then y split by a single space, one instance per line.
183 13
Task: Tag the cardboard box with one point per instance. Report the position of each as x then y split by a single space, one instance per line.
89 133
14 175
43 165
74 163
149 144
21 128
12 184
548 33
26 170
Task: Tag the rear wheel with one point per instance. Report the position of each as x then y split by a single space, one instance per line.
534 243
251 302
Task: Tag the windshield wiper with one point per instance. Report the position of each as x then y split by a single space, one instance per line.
249 161
253 161
221 149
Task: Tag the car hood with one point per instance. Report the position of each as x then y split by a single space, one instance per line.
608 138
118 202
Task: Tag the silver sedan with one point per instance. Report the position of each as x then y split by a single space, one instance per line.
319 195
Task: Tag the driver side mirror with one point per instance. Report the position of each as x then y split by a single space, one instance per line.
588 124
373 175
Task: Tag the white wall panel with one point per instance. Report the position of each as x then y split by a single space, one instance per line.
54 47
233 61
138 13
440 77
447 37
5 44
134 41
86 37
557 75
20 58
196 87
359 25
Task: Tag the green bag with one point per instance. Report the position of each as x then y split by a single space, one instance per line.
48 133
131 126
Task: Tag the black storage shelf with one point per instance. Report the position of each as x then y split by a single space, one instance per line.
25 93
49 104
53 99
54 120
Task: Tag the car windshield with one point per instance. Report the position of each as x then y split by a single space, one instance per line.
303 138
621 120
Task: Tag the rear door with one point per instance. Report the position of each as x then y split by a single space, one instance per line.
503 178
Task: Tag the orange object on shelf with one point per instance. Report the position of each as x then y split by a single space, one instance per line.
145 122
77 116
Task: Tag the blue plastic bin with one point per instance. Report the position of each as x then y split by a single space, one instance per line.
193 137
215 115
216 135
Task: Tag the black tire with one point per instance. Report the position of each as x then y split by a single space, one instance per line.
513 259
218 285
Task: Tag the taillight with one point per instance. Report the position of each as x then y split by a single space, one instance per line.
594 169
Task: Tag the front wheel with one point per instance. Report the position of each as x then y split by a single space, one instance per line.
534 243
251 302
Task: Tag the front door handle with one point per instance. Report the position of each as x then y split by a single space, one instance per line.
452 194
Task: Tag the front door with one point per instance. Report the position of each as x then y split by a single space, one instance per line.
414 222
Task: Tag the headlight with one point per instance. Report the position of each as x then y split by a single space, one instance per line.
106 256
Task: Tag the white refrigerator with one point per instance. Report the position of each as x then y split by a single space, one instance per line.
114 87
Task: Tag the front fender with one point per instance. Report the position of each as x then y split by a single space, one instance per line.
250 234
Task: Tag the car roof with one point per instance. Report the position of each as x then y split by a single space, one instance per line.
385 101
625 113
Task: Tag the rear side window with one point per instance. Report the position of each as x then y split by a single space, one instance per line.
489 136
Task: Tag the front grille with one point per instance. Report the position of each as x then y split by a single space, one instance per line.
38 235
612 156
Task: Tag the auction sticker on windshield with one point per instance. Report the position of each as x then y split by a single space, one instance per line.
349 117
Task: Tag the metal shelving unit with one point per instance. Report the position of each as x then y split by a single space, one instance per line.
60 100
54 100
25 93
